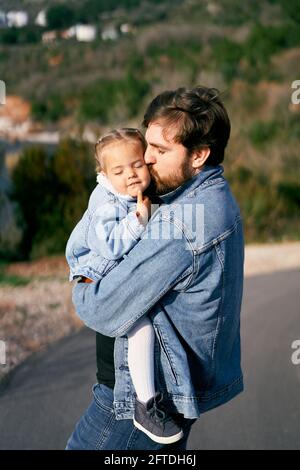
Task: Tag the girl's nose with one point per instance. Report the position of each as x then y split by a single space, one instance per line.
131 172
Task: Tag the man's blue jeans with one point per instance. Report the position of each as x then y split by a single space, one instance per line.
98 429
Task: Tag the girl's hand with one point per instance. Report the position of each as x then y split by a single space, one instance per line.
143 208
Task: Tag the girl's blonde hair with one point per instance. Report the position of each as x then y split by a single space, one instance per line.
126 134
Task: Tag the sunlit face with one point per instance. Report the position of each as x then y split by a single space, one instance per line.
168 162
125 167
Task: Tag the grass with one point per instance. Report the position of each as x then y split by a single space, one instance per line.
12 279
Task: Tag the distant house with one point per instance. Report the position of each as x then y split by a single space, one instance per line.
83 32
109 33
17 18
2 19
126 28
68 33
49 36
86 32
14 118
41 19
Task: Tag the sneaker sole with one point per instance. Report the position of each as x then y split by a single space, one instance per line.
158 439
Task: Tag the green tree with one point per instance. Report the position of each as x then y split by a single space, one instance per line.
261 133
227 55
107 100
50 109
9 233
52 193
60 16
292 9
9 36
31 183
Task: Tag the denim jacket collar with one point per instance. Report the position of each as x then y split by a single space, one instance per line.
193 183
103 181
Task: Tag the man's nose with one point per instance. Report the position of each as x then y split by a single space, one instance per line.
148 156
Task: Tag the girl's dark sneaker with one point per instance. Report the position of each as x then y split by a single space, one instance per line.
152 419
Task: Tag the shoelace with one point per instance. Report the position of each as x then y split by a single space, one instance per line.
157 411
158 414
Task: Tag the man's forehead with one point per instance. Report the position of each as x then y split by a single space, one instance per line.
158 133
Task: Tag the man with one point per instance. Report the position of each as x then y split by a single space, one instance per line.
186 274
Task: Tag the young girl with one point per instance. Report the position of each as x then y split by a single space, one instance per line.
114 221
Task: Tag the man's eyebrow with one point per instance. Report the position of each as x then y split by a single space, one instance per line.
158 146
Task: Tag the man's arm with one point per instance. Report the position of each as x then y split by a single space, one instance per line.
113 304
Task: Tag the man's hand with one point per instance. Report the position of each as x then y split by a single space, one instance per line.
143 208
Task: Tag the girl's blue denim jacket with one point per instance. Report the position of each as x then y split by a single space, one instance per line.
108 230
186 273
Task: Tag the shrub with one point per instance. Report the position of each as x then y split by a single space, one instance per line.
59 16
48 110
112 100
9 36
271 211
291 9
183 53
10 235
235 13
227 55
52 193
26 35
261 133
264 41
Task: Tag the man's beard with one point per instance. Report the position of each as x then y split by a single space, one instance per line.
173 180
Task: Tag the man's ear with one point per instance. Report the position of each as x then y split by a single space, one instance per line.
200 157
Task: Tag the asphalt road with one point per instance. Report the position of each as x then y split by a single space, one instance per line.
48 393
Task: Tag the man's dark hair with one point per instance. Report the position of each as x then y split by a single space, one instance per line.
198 117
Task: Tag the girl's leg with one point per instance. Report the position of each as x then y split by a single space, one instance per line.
149 416
141 358
98 429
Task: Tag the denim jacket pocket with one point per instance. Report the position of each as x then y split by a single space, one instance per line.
167 355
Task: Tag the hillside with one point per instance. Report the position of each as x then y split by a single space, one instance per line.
250 51
239 48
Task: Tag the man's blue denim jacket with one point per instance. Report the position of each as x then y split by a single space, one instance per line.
186 273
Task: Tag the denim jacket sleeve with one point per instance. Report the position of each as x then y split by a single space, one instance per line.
153 267
113 232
